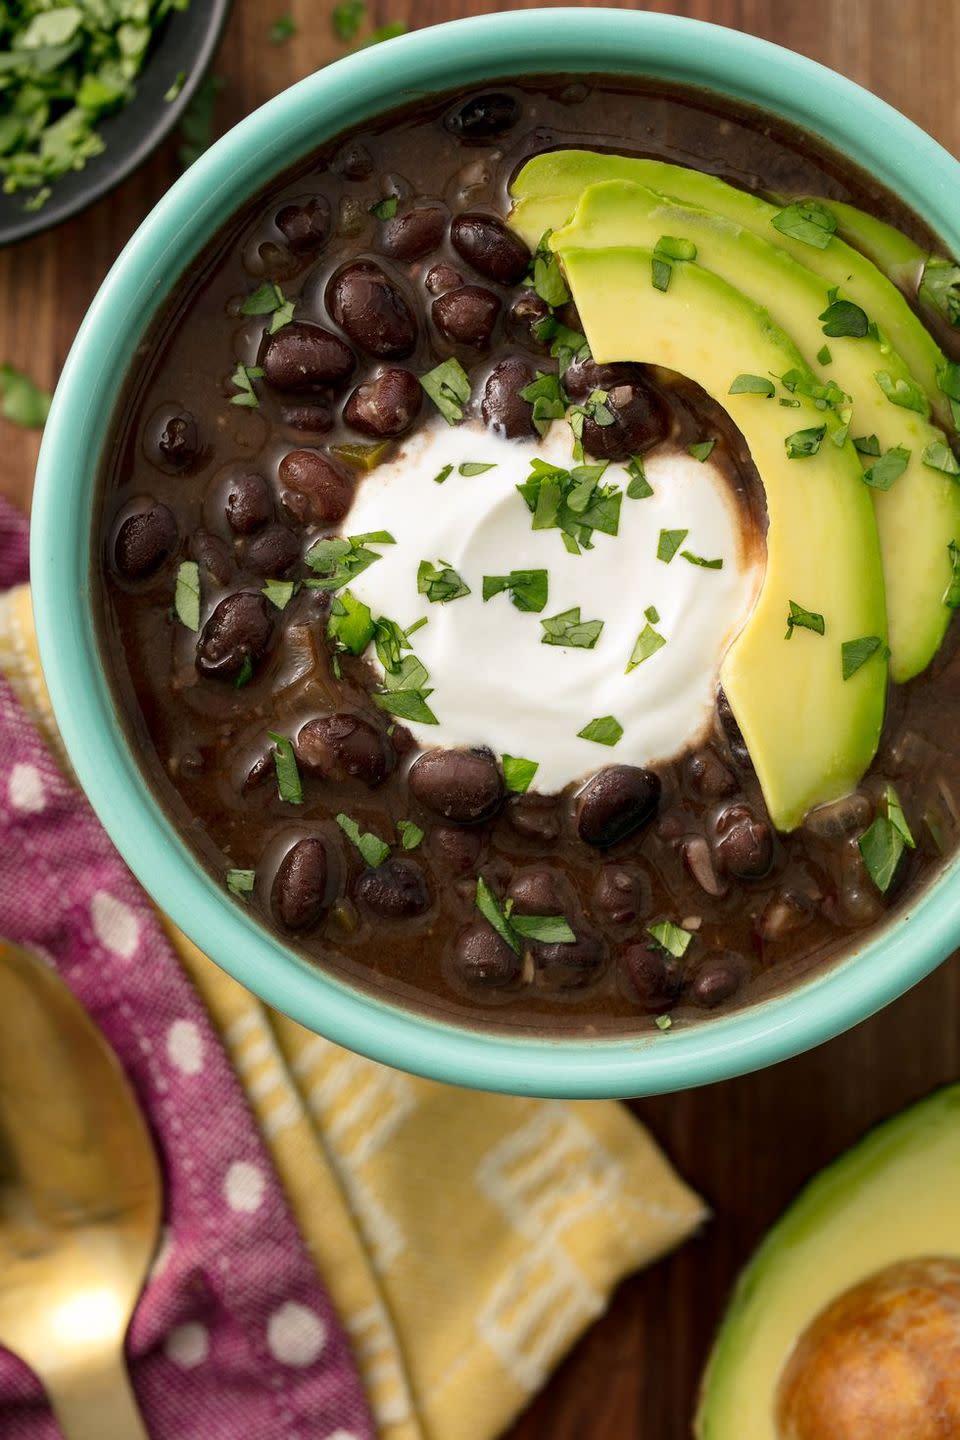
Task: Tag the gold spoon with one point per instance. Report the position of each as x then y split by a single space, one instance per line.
80 1199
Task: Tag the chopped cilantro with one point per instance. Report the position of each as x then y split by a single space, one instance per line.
279 592
405 692
753 385
186 600
513 929
843 318
952 596
527 588
866 445
823 356
350 625
372 849
938 456
548 278
241 882
289 785
604 731
903 392
243 378
448 386
940 288
410 834
568 629
337 559
699 560
518 773
701 449
890 466
856 653
269 300
175 86
639 487
475 467
804 443
807 221
804 620
825 394
385 209
443 474
572 501
245 675
669 543
566 345
440 582
883 844
649 641
672 938
546 396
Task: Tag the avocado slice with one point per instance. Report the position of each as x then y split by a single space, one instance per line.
547 188
919 516
811 734
893 1197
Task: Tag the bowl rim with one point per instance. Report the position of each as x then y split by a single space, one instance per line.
463 52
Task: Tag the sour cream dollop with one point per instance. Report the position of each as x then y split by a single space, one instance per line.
494 680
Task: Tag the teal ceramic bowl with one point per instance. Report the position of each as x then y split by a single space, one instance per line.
459 54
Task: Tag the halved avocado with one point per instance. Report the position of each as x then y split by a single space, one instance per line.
810 733
919 516
548 187
895 1197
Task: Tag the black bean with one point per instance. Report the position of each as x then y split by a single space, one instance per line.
212 555
655 979
460 785
312 418
413 234
709 776
458 850
249 503
525 313
371 310
490 248
570 966
320 493
344 746
717 978
480 958
240 629
745 846
732 732
619 895
178 444
395 890
305 227
144 540
467 315
538 892
534 817
502 408
300 889
303 357
273 553
483 117
615 802
354 161
385 406
441 278
582 377
641 420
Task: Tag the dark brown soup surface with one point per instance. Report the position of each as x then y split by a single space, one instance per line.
284 370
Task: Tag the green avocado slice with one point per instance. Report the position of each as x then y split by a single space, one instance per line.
919 516
893 1197
547 188
810 733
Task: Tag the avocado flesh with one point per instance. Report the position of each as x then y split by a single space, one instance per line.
548 187
919 515
811 735
893 1197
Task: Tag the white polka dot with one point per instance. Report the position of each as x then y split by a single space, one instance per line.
187 1346
164 1250
115 925
25 789
244 1186
185 1047
295 1335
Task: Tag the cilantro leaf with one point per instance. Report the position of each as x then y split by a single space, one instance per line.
186 601
337 559
527 588
669 543
350 625
799 618
903 392
604 731
844 318
448 386
701 449
410 834
753 385
518 773
649 641
568 629
804 443
440 583
807 221
856 653
289 785
243 378
372 849
890 466
672 938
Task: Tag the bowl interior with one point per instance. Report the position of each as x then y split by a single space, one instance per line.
269 141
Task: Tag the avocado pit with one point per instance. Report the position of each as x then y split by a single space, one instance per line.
880 1362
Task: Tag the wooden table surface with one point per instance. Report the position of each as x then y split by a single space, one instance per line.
748 1144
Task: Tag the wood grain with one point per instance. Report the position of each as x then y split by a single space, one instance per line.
747 1144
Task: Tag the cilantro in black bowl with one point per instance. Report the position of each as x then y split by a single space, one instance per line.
87 90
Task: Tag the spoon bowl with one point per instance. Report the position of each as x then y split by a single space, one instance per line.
80 1201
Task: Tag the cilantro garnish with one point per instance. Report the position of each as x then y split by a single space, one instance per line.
405 692
547 276
938 456
546 396
701 449
241 882
890 466
595 408
350 625
372 849
410 834
903 392
526 588
672 938
866 445
440 582
639 487
940 287
668 249
572 501
243 378
448 386
279 592
856 653
823 356
825 394
566 345
669 543
604 731
649 641
883 844
514 929
568 629
799 618
807 221
948 383
804 443
289 785
186 600
518 773
443 474
844 318
337 559
475 467
753 385
699 560
269 300
952 596
386 208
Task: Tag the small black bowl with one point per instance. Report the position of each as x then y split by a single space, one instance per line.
185 43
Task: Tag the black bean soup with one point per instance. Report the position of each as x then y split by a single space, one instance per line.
242 437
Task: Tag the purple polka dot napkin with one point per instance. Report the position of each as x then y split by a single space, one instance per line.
235 1337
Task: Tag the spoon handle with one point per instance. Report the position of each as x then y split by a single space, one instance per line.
97 1403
